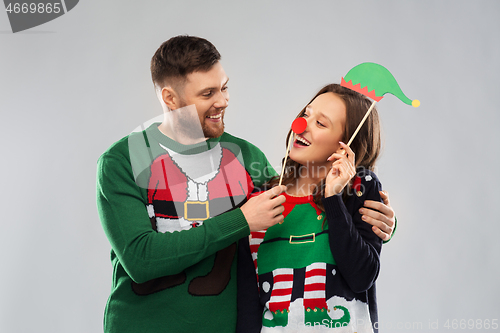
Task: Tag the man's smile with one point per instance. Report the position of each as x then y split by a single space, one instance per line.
215 117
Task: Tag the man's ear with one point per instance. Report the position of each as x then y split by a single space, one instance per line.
170 97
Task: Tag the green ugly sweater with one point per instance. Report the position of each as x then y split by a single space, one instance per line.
171 215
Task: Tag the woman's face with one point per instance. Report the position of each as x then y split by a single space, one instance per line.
326 117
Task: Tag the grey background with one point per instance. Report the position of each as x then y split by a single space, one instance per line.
73 86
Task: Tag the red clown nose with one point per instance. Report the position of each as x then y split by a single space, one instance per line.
299 125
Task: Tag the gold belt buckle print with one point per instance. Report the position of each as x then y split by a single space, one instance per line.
299 241
198 212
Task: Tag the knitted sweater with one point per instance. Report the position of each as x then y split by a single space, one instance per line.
170 212
316 274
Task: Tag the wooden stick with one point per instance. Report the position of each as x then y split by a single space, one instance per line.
286 156
361 123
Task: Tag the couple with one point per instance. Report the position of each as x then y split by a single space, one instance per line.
178 201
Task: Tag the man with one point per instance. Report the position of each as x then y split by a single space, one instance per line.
173 202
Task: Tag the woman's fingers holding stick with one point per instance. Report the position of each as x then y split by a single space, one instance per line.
344 150
342 170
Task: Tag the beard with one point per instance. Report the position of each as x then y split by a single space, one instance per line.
195 128
210 132
191 124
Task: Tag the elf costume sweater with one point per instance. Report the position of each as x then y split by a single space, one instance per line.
318 272
170 212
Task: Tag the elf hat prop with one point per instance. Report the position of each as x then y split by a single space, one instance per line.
373 81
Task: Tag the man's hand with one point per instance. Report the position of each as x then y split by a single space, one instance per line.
380 215
265 210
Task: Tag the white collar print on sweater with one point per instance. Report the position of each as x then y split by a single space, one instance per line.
201 167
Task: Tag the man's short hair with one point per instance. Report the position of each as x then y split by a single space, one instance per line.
180 56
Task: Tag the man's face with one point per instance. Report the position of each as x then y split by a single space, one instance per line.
208 92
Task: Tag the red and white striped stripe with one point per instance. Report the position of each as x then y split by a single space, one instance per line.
282 289
315 286
256 238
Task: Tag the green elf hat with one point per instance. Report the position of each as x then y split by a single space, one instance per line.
374 81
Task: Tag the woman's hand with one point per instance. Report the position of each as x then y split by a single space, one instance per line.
343 169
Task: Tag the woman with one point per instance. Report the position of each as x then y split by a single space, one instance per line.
318 268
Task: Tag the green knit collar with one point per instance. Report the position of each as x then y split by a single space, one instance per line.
178 147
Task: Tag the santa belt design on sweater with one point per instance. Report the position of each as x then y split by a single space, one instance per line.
197 210
309 238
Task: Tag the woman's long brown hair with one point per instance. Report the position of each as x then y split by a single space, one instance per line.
366 145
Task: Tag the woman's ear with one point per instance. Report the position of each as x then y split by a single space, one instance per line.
340 150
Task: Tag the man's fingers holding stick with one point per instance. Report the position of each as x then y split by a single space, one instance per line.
265 210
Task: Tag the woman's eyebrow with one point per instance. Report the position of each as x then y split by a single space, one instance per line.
321 114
